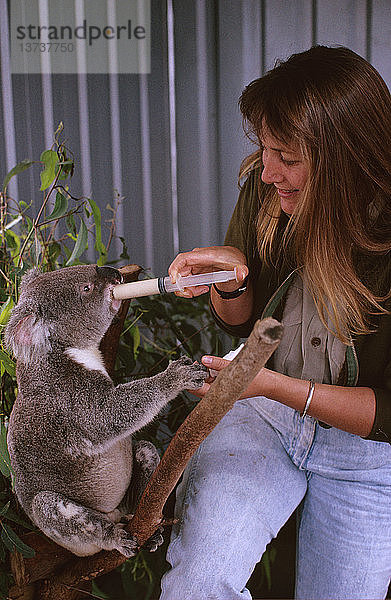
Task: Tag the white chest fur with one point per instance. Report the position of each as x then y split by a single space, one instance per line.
90 358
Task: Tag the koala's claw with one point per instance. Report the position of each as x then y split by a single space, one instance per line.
126 543
156 540
190 374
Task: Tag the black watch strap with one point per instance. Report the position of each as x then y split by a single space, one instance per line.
235 293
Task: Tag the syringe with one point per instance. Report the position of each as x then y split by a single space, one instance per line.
162 285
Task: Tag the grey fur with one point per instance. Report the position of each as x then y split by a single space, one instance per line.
70 429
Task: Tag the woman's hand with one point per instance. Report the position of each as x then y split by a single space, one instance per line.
206 260
262 385
215 364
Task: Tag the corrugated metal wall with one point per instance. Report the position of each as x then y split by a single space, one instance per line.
170 143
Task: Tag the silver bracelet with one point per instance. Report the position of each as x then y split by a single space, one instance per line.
309 398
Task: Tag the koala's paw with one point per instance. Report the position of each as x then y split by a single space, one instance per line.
125 542
156 540
189 374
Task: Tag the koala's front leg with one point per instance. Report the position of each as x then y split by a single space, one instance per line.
137 403
182 374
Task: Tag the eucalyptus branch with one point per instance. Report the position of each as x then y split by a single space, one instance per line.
36 220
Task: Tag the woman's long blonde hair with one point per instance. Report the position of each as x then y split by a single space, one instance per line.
337 108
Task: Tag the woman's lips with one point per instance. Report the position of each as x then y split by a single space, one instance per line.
286 193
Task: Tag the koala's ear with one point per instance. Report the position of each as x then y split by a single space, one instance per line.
27 278
26 335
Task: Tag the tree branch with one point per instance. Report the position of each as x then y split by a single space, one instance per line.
109 344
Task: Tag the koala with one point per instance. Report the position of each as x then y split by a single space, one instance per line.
77 471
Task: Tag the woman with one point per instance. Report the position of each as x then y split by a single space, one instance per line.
312 231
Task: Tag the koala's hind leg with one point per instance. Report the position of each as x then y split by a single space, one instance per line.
81 530
145 460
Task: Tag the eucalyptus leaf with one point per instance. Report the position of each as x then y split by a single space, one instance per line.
5 462
6 310
19 168
54 252
14 543
99 246
60 207
8 363
14 244
80 245
135 332
13 516
70 221
66 168
97 593
5 508
49 159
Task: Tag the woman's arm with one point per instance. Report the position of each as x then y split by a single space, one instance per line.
351 409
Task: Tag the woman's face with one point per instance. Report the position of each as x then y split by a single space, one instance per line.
284 167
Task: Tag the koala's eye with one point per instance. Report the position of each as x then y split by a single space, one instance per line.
86 289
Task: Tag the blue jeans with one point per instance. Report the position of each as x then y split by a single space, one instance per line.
249 476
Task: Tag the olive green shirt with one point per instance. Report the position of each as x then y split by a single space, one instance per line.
368 362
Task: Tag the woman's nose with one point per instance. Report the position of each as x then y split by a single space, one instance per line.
271 172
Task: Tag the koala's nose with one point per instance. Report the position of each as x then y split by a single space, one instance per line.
110 274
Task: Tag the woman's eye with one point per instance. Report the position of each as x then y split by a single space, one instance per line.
289 163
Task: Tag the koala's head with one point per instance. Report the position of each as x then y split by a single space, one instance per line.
72 307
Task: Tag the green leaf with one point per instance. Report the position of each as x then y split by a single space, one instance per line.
14 543
70 221
50 159
6 310
66 168
30 224
5 508
19 168
8 363
13 242
60 207
99 246
54 252
5 462
13 516
97 593
135 332
80 246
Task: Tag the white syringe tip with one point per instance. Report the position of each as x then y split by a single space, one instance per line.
136 289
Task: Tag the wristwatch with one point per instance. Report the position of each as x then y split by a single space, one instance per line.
235 293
